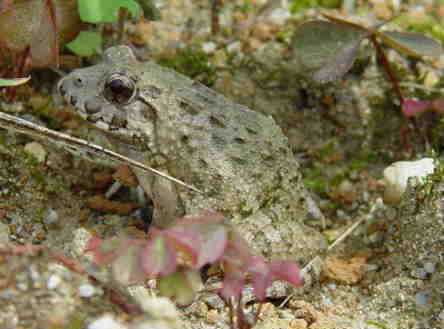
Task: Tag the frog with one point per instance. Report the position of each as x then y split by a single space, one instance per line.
239 158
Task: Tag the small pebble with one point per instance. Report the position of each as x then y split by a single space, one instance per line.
51 217
86 290
53 281
105 322
430 267
234 47
279 16
421 299
209 47
36 150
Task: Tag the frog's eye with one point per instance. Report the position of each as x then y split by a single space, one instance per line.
119 89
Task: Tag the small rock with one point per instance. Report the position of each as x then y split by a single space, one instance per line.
106 322
209 47
279 16
51 218
430 267
86 290
36 150
421 299
234 47
53 281
398 173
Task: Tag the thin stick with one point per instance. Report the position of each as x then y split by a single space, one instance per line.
11 122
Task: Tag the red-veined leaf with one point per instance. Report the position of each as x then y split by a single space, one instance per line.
286 271
158 257
412 108
261 276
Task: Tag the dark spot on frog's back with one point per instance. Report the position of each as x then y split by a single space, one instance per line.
152 91
217 122
239 140
190 109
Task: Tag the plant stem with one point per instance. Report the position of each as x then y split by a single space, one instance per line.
387 68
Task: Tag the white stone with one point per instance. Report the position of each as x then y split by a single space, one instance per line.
37 150
53 281
86 290
105 322
209 47
398 173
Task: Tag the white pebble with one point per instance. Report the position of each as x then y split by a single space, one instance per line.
430 267
398 173
86 290
105 322
209 47
53 281
36 150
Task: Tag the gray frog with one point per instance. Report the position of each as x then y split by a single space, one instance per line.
238 157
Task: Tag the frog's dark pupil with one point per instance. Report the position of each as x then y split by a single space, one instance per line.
119 91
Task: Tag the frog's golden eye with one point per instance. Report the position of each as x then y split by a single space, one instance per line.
119 89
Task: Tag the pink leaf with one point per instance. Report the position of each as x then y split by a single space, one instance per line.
260 275
411 108
187 241
232 287
215 240
104 251
287 271
158 257
126 268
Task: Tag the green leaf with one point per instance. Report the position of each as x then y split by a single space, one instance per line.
414 44
86 44
106 11
13 82
180 286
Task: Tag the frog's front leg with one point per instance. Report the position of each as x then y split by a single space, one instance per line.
164 195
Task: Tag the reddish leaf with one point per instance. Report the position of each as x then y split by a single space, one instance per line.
34 29
215 240
187 241
412 108
232 286
286 271
126 267
203 237
261 276
104 251
159 257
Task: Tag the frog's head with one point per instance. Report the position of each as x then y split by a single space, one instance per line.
107 94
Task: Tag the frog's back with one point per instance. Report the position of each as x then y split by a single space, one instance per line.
224 148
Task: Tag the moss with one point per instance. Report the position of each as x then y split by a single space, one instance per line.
315 180
377 324
193 63
298 6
